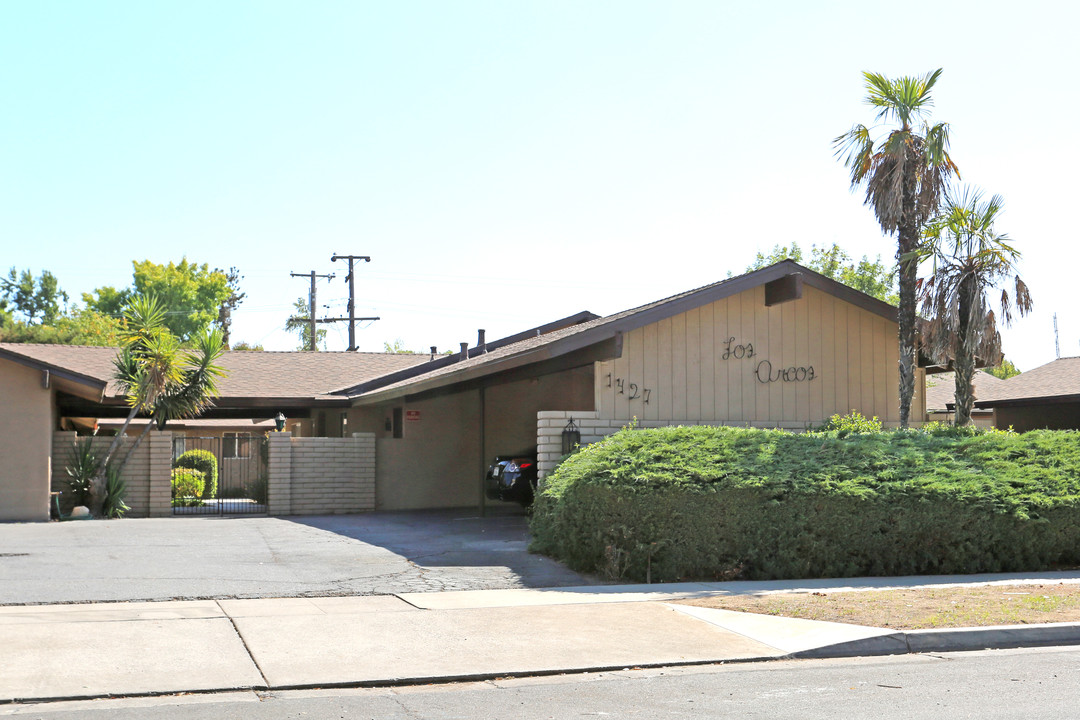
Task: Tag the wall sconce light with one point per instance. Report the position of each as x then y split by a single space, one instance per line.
279 421
571 437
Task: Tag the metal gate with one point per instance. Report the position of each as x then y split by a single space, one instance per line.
241 485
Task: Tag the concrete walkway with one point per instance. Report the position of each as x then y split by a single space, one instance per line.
54 652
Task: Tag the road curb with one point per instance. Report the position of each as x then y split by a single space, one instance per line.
951 640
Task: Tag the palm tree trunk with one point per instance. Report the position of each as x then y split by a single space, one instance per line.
907 242
964 363
134 446
97 487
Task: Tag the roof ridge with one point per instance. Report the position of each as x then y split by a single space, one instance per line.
69 345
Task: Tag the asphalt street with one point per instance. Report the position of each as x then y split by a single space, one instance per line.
211 557
1032 683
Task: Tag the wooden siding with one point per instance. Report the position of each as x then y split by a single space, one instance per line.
675 369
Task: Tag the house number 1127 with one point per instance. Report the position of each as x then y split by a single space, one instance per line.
636 391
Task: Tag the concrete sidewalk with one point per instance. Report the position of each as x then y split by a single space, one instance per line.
54 652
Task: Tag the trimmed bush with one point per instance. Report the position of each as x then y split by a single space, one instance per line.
187 486
720 503
205 462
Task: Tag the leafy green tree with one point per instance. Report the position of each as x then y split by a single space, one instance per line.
230 303
248 347
969 259
77 327
872 278
397 347
904 174
1004 370
301 323
37 300
192 295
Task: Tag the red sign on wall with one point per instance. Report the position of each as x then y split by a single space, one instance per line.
412 416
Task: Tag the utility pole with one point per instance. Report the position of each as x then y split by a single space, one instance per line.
352 297
1057 345
313 338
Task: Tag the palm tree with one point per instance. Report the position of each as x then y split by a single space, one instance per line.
969 259
146 364
159 378
905 174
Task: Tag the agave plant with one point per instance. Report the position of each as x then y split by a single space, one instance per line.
83 467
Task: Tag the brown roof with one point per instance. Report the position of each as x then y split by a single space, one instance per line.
941 389
196 423
251 374
1055 381
576 337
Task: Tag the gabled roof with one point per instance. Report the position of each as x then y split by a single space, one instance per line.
250 375
1054 382
445 360
609 329
941 389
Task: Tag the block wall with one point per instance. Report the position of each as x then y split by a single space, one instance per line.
321 476
147 474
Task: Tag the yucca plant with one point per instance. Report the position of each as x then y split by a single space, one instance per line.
83 467
115 489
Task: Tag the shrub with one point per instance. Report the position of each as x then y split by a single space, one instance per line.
113 505
83 466
851 424
205 462
717 503
257 489
187 486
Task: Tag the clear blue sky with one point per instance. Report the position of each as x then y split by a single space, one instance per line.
507 163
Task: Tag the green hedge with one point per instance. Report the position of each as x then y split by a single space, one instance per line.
205 462
720 503
187 486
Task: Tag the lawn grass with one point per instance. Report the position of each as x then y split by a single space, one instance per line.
917 608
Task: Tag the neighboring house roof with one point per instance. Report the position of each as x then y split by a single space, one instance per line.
196 423
250 374
608 330
941 389
1054 382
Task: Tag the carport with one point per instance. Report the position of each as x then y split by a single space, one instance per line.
439 425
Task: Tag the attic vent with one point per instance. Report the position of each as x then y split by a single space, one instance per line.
783 289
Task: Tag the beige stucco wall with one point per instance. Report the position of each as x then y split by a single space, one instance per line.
511 408
26 425
437 462
699 366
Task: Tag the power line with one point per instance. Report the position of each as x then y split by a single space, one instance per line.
314 338
352 298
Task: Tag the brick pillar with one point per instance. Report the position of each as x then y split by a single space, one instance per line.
279 470
160 480
365 469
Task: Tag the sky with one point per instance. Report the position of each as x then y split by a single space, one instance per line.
508 163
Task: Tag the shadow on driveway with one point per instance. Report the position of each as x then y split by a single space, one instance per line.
247 557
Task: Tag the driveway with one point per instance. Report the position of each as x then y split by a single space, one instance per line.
208 557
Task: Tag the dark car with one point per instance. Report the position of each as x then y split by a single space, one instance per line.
512 478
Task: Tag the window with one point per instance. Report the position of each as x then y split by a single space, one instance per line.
235 445
399 429
178 446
